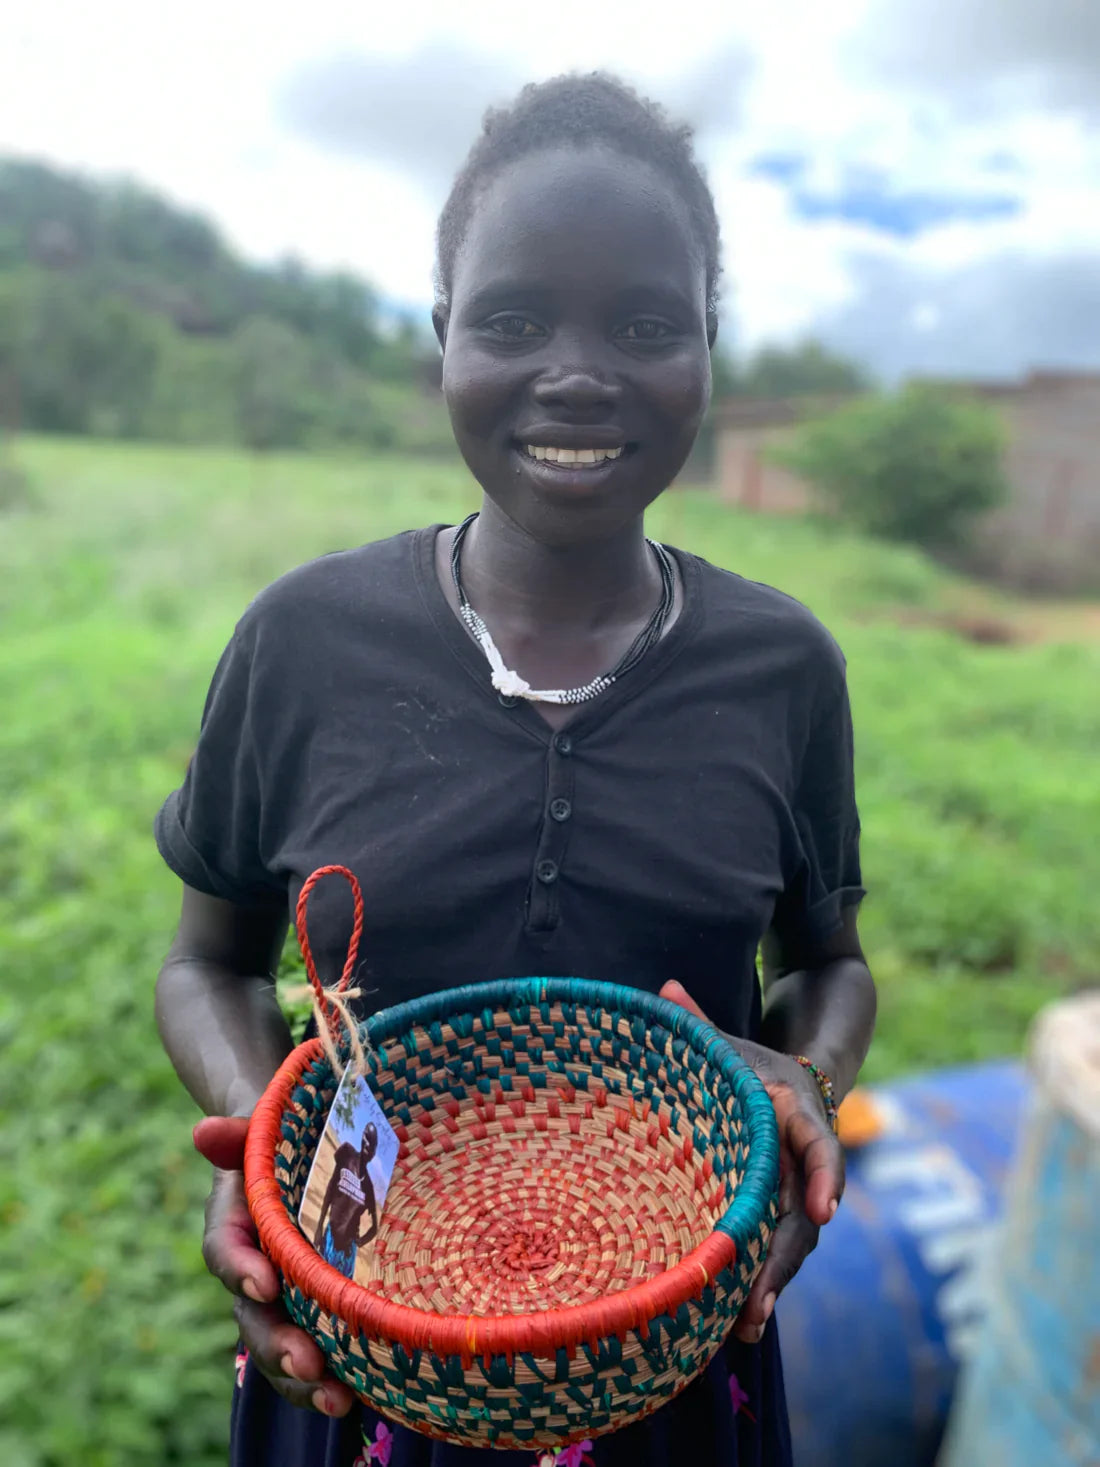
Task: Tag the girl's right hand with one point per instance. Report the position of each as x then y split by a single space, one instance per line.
286 1355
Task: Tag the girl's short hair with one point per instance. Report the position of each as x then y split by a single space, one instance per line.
580 111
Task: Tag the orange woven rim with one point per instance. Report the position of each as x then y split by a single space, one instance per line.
541 1333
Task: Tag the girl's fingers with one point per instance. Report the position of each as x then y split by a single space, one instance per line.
792 1242
819 1156
676 993
812 1171
284 1354
289 1359
229 1247
221 1140
231 1255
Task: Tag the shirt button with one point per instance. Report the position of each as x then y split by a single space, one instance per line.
506 701
547 872
563 743
561 809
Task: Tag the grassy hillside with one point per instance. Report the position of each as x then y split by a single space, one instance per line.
123 316
979 787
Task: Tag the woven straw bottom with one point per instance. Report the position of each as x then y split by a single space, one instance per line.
552 1157
517 1220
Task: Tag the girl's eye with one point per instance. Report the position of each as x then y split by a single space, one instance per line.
645 329
514 328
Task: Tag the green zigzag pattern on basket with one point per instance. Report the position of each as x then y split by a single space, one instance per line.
678 1349
438 1056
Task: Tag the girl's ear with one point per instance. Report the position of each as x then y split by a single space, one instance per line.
440 316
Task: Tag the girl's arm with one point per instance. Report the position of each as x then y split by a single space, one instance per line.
215 1006
820 1002
225 1034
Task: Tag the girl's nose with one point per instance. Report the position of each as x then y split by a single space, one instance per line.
577 390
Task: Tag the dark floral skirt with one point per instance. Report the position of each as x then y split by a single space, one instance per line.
735 1415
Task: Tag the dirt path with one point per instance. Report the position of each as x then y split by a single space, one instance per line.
1060 622
997 621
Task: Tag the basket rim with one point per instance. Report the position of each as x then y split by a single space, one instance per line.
545 1332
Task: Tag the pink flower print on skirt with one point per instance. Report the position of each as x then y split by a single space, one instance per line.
738 1398
377 1451
574 1456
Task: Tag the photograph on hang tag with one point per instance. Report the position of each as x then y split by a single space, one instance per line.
341 1208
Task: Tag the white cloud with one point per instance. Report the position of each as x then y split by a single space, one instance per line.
194 102
987 56
925 317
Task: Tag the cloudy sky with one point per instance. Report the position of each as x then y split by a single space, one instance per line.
916 182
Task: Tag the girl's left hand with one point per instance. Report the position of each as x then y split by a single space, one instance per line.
811 1170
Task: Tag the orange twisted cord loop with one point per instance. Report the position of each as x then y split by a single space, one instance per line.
353 944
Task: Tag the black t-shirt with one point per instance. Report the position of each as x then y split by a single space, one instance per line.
706 795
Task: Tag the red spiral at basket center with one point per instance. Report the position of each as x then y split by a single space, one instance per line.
518 1249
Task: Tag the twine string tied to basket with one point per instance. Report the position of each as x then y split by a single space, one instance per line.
332 1007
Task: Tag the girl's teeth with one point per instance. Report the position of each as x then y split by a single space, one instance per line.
572 455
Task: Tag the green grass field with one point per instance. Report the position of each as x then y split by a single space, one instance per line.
978 781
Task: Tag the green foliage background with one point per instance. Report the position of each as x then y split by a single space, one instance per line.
119 584
126 317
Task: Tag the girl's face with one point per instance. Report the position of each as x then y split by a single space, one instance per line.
577 326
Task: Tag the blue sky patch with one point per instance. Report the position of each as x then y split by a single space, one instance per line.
1002 160
779 167
903 213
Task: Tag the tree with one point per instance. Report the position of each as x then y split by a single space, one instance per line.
725 374
919 466
806 370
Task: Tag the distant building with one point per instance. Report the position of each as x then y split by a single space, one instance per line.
1049 533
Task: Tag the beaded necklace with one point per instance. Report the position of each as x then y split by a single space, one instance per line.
509 684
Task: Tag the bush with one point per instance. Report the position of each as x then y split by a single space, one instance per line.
920 466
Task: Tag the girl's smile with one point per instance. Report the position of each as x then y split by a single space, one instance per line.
581 463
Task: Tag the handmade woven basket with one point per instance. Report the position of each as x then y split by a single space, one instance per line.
584 1193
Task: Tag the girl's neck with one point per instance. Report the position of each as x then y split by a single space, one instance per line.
512 577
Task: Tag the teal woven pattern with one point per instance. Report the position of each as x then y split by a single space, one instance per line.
438 1056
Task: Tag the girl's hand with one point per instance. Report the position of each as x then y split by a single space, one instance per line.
811 1170
286 1355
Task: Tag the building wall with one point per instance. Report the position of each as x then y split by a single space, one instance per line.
1054 460
744 475
1048 534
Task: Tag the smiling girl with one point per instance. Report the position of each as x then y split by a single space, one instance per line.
545 744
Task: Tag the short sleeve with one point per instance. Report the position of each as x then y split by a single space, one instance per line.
827 876
208 831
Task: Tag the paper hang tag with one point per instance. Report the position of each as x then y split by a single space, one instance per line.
342 1204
